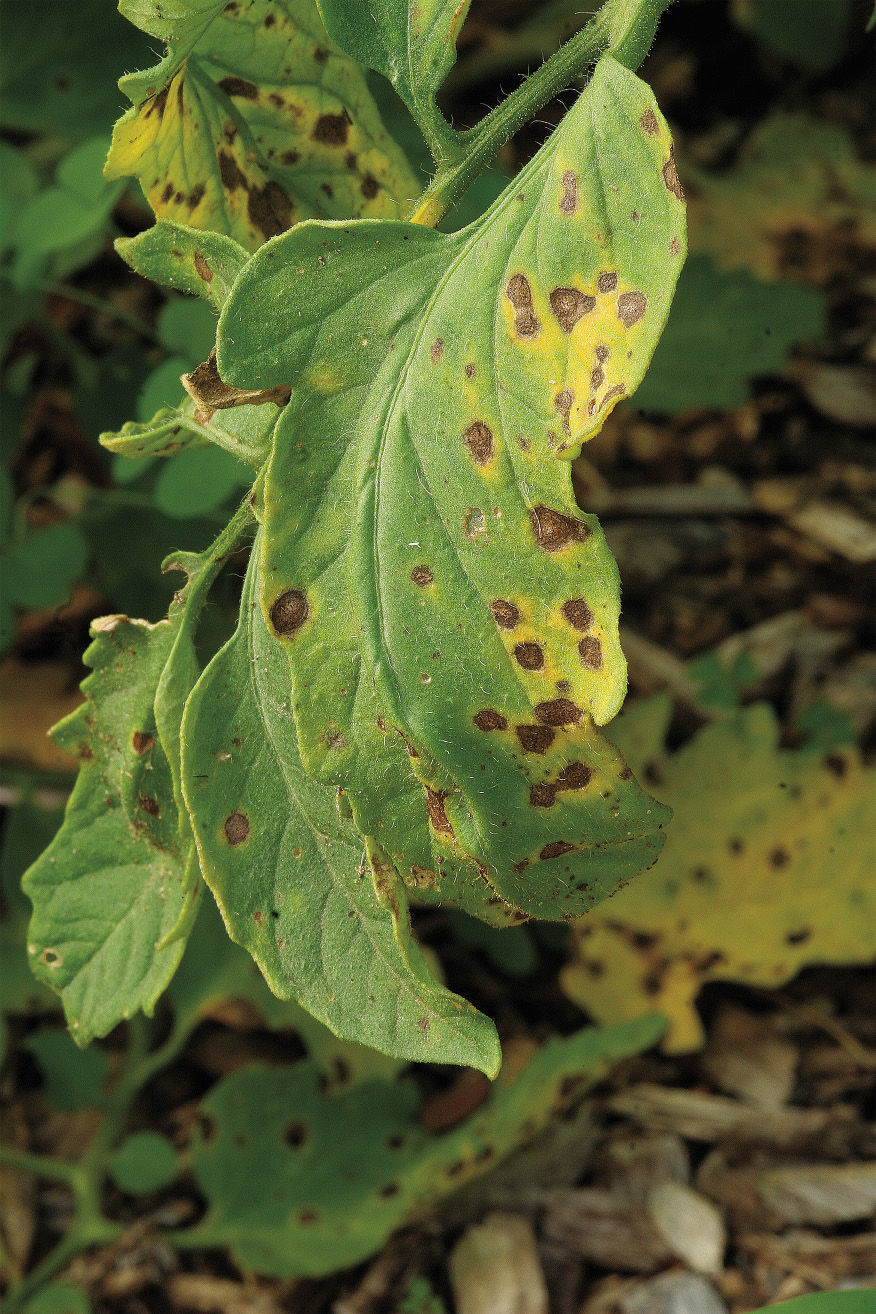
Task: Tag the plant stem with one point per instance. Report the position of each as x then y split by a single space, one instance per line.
57 1170
103 307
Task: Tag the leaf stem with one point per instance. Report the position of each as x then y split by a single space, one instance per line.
40 1165
98 304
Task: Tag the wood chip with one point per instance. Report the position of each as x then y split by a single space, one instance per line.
690 1225
821 1194
836 527
674 1293
714 1117
495 1269
745 1057
604 1228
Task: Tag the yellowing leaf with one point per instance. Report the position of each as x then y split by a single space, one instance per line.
768 866
253 121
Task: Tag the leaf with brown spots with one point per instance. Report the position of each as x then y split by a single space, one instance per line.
253 121
392 457
768 867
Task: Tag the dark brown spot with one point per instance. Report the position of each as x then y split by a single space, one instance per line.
231 176
437 350
505 614
578 614
617 390
489 719
648 123
674 246
520 866
141 742
258 917
150 805
569 198
554 530
798 937
543 796
670 177
158 102
607 281
535 738
437 815
370 187
469 371
563 403
388 1191
519 293
332 129
568 305
590 652
289 612
558 711
269 209
270 20
236 828
327 189
577 775
320 55
288 158
597 378
736 846
631 306
602 353
167 193
307 1216
295 1135
202 269
837 765
196 195
555 850
478 439
239 87
422 576
779 858
529 656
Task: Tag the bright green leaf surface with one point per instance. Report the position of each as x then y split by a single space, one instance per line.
859 1301
253 121
289 873
320 1206
145 1161
485 604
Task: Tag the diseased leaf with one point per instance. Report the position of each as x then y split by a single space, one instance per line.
205 264
442 384
253 121
767 867
289 872
319 1207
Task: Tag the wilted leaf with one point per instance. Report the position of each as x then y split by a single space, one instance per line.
428 479
319 1207
253 121
767 867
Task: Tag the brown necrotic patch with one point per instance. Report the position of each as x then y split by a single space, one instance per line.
648 123
469 370
141 742
437 815
556 850
332 129
202 269
436 351
239 87
578 614
569 196
597 377
478 438
631 306
602 353
590 652
489 719
530 656
150 805
607 281
543 796
558 711
568 306
422 576
505 614
519 293
674 246
369 187
535 738
230 173
563 403
617 391
236 828
289 612
554 530
670 177
269 209
577 775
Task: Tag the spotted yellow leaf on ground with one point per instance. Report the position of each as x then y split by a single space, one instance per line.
768 867
253 121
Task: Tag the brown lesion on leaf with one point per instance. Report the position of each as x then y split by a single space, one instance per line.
519 293
236 828
505 614
150 805
597 377
469 370
530 656
602 352
670 176
202 269
631 307
558 712
478 438
332 129
535 738
554 530
617 391
648 123
233 86
590 652
779 858
210 393
556 850
289 612
158 102
141 742
563 403
568 305
269 209
369 187
576 775
568 203
542 796
607 281
520 867
230 173
674 246
437 816
578 614
488 719
436 351
422 576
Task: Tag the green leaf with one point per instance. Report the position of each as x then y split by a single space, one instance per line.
813 34
412 44
289 873
72 1078
442 384
41 570
144 1162
244 432
725 329
861 1300
253 121
328 1195
205 264
187 327
59 1298
196 482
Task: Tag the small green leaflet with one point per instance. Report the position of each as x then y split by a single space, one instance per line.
253 121
442 384
338 1173
289 872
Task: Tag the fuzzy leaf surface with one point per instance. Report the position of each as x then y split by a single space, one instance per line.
767 868
441 385
253 121
320 1206
289 871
